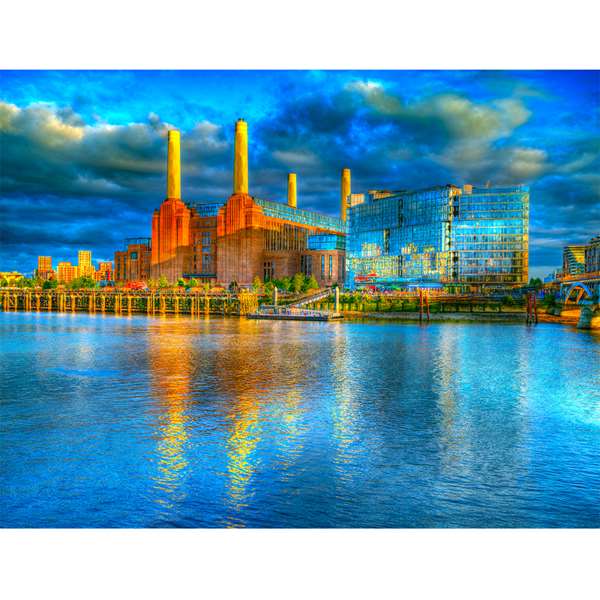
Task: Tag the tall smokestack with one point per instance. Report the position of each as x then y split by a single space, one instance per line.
240 164
292 190
173 165
345 192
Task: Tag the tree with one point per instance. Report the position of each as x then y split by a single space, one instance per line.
50 284
233 286
297 283
536 283
193 283
163 282
508 301
84 282
152 284
180 282
286 284
268 287
312 284
256 283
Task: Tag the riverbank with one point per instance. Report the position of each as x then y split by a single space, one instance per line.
483 317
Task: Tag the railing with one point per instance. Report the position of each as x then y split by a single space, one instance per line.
579 277
311 298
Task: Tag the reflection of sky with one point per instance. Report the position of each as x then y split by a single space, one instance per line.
226 422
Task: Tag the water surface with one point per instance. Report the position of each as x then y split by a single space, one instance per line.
156 422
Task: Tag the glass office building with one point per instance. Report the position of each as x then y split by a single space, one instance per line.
468 239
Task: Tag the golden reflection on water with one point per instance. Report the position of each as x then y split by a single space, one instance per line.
261 380
345 409
171 364
241 371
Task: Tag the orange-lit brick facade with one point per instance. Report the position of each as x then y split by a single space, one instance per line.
243 239
133 263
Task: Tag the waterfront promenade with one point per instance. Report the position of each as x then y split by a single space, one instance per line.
409 306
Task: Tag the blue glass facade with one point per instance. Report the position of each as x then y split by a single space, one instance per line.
326 241
439 236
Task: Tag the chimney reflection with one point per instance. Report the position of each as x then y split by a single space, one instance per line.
264 405
170 362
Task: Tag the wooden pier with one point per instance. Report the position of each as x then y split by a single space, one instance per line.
150 303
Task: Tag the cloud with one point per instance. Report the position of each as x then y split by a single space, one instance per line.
50 150
75 164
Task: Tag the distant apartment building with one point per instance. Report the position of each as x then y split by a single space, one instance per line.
44 267
574 259
471 239
84 264
133 262
592 255
66 272
104 271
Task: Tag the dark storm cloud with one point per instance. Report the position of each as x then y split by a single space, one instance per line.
49 150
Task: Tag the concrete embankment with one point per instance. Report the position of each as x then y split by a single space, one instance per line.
504 317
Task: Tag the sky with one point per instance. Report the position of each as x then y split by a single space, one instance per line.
83 153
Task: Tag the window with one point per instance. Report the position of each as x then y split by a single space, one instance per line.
322 266
330 265
268 271
133 255
206 241
306 264
386 241
206 262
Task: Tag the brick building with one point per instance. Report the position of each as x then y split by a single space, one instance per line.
133 263
66 272
44 267
244 237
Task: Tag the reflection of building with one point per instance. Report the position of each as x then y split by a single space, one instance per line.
592 255
44 268
469 238
244 237
171 366
66 272
133 263
574 259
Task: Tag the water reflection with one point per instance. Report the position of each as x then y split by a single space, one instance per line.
346 420
226 422
242 376
170 364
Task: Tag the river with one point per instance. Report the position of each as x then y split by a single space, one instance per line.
110 421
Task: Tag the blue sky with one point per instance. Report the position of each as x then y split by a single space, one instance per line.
83 152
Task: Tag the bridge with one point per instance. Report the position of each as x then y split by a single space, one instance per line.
311 298
581 288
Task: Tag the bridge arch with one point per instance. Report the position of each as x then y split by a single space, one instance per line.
581 289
